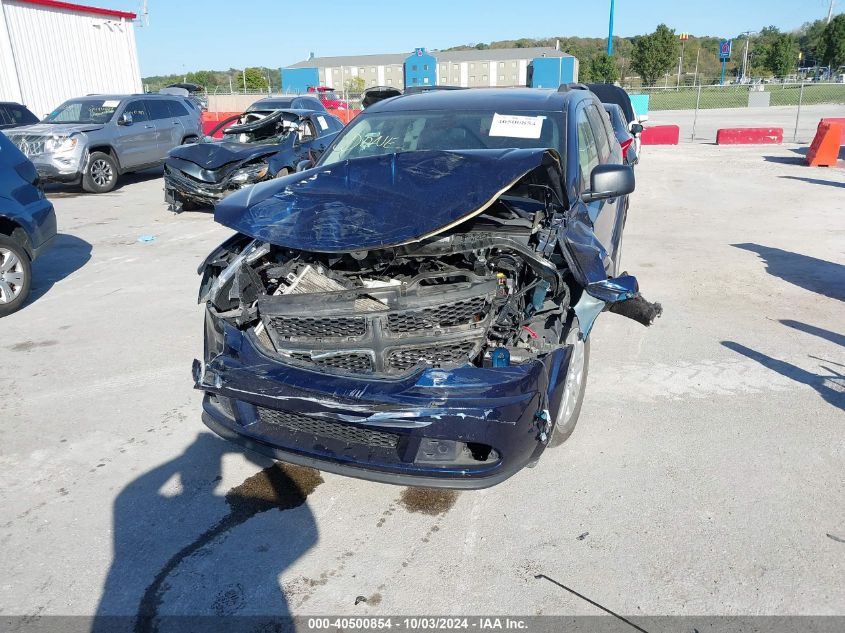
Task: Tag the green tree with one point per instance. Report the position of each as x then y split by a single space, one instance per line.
355 85
833 42
811 40
255 79
655 54
603 69
781 55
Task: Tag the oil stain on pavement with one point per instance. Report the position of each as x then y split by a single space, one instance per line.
430 501
280 486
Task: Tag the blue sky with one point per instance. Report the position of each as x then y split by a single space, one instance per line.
186 35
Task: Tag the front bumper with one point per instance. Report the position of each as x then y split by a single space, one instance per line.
179 188
464 428
58 167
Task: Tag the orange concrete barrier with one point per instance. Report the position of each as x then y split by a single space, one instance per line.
824 150
345 115
841 122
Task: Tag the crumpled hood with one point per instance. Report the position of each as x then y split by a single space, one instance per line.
53 129
214 155
379 201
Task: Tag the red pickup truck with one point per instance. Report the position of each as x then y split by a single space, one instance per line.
329 98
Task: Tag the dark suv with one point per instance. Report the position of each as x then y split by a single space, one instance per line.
415 309
14 114
27 225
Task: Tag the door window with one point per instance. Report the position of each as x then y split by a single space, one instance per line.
600 133
137 110
588 155
306 131
157 109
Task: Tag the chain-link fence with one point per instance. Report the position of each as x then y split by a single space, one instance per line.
699 110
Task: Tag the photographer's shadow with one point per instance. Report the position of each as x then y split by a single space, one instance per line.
182 550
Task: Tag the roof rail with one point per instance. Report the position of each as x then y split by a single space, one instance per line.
429 88
572 86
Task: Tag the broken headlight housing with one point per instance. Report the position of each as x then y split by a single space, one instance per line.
250 173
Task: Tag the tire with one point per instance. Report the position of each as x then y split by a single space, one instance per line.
575 387
100 174
15 275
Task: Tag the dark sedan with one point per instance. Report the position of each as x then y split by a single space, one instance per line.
27 225
259 147
416 308
625 137
14 114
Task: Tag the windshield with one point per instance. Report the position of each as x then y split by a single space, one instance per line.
270 104
84 111
393 132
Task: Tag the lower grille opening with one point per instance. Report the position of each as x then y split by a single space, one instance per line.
328 429
354 363
406 357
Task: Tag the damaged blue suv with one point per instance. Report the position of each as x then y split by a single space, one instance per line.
416 308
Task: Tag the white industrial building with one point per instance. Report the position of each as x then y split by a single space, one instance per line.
51 51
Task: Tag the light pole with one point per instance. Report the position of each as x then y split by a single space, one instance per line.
745 54
610 32
683 37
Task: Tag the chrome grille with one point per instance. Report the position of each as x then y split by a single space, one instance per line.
29 145
292 327
355 363
448 315
406 357
328 429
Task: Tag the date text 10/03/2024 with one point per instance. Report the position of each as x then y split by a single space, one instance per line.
416 624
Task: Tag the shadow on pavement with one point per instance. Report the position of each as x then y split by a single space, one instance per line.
817 275
65 256
56 190
821 383
182 550
833 337
817 181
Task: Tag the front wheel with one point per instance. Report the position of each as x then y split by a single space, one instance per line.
101 174
15 275
575 384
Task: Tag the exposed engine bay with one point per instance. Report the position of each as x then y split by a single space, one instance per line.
491 292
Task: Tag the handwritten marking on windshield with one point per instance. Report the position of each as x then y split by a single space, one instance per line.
373 139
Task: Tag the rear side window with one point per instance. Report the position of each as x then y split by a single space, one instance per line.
600 132
158 109
176 108
588 154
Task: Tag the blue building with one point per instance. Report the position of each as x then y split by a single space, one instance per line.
550 72
536 67
420 69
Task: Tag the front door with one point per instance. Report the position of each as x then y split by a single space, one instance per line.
137 142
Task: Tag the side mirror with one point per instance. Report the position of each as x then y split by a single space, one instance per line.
304 164
125 119
635 129
609 181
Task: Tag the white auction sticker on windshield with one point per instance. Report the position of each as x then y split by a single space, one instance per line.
111 104
516 126
323 123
